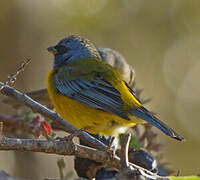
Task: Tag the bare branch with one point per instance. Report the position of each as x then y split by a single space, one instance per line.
60 148
71 149
12 78
36 107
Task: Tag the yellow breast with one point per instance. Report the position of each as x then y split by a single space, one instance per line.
80 115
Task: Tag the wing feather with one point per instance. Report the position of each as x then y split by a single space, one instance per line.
99 94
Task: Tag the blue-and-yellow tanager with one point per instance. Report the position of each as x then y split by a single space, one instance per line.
88 92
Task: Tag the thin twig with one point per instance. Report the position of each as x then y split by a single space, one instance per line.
71 136
124 151
12 78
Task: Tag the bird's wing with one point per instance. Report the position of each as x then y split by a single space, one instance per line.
98 93
133 92
144 114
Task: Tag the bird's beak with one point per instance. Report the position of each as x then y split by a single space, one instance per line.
52 50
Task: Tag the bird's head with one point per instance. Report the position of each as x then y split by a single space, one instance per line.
71 49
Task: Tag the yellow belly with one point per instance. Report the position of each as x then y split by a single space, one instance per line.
80 115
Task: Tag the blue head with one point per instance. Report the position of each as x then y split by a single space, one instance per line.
71 49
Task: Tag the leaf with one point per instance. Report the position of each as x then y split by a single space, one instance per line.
133 142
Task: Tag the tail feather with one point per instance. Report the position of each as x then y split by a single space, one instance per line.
144 114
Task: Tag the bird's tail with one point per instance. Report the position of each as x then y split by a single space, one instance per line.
147 116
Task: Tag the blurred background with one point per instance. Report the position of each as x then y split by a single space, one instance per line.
160 39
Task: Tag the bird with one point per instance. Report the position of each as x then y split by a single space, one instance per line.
108 55
116 60
89 93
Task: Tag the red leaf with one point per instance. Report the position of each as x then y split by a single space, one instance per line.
47 128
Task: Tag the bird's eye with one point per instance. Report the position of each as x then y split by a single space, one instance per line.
61 49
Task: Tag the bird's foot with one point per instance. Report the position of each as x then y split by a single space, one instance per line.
71 136
111 152
109 149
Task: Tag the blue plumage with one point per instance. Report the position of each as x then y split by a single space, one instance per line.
144 114
98 94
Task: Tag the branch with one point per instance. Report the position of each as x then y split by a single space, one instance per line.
59 147
12 78
124 151
41 96
36 107
71 149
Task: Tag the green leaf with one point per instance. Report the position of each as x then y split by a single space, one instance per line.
48 120
133 142
29 115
